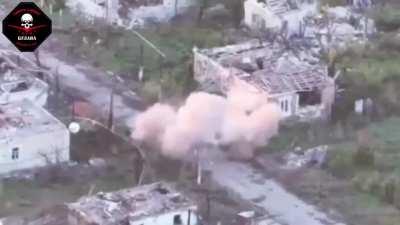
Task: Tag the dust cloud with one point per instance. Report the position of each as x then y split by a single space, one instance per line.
243 121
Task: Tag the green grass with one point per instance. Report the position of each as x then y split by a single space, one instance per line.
20 197
122 52
387 18
387 134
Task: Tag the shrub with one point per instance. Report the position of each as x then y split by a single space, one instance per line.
387 18
389 191
59 4
368 182
340 163
364 157
389 42
150 91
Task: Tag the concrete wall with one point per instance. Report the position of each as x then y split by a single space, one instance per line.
288 104
162 12
37 93
254 12
76 218
210 74
253 9
53 144
168 219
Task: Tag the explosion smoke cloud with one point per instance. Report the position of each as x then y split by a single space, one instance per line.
243 120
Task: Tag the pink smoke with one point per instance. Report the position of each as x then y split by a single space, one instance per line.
243 120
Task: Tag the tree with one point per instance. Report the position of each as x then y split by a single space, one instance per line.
110 122
236 9
203 4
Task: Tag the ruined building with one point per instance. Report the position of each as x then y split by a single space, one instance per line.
273 14
16 86
130 13
30 137
297 82
154 204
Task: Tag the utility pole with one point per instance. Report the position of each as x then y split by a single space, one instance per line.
176 7
199 167
209 195
110 122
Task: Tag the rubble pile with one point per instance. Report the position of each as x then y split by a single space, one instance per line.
298 158
129 204
336 27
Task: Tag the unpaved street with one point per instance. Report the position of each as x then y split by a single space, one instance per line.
252 185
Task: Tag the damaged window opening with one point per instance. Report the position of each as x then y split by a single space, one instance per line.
15 154
177 220
285 105
20 87
310 98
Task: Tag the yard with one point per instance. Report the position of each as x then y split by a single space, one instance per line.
361 178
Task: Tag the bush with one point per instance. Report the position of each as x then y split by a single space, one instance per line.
364 157
369 183
387 18
59 4
340 164
150 91
389 191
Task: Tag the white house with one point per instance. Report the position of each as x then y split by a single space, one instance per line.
153 204
299 84
273 14
30 137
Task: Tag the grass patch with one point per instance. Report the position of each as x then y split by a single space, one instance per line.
122 52
388 134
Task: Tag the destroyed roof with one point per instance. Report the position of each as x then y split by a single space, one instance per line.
276 6
11 79
23 118
131 204
271 67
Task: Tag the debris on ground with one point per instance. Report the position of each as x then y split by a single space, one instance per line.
314 156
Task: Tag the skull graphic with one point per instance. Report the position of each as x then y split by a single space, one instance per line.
27 20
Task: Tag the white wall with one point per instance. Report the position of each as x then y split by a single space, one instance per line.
160 12
293 17
37 93
168 219
252 7
54 144
287 104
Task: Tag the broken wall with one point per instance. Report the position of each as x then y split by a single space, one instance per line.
210 74
257 15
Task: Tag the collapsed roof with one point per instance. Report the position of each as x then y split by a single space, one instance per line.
24 118
131 204
271 67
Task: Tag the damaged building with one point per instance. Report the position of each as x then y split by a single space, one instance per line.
298 82
154 204
130 13
273 14
16 86
30 137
